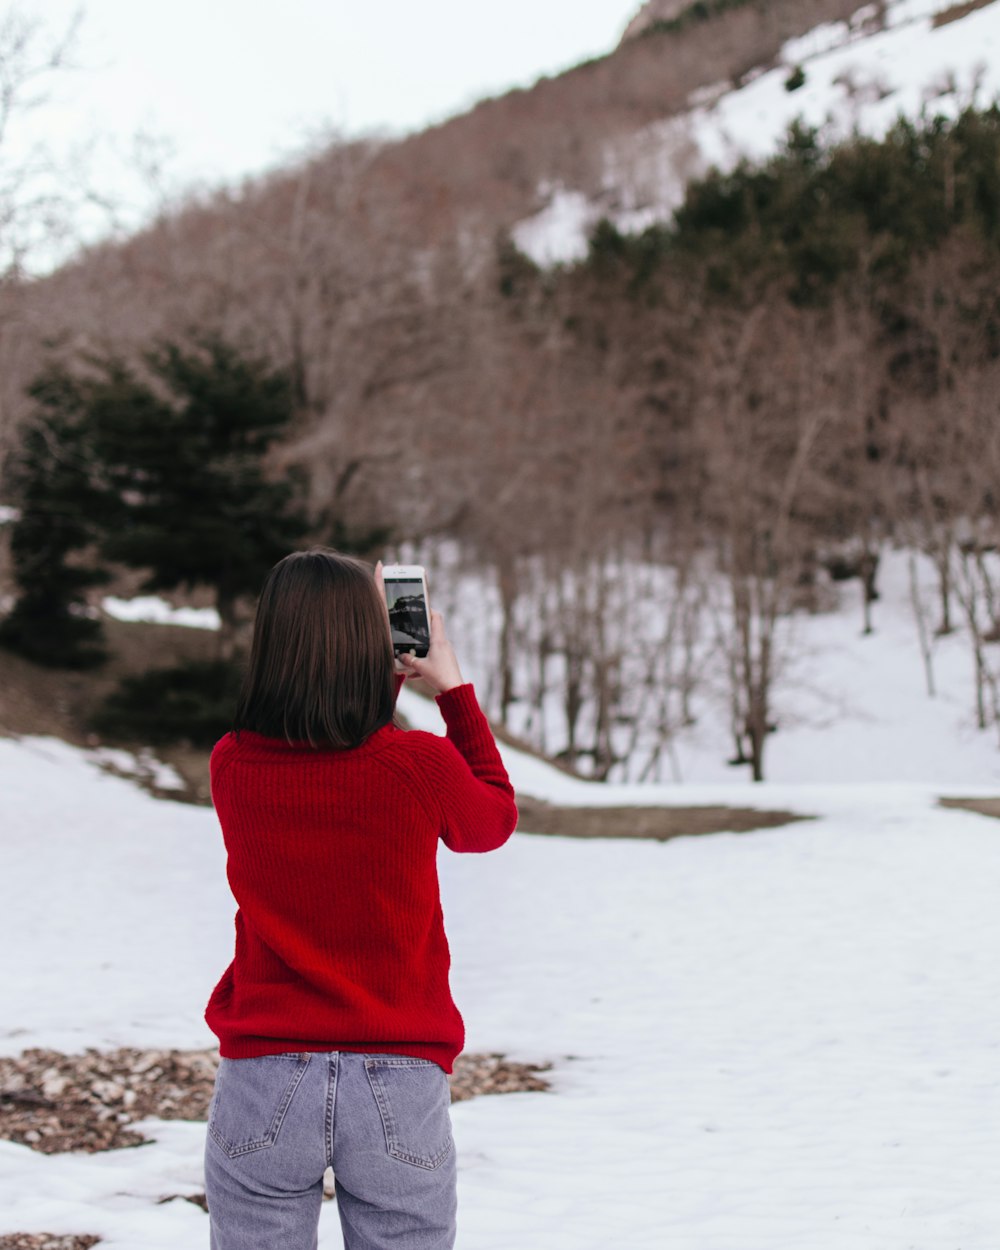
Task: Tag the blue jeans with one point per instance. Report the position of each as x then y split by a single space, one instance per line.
380 1121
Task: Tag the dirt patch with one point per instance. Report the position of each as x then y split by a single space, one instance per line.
657 823
60 702
985 807
957 12
495 1074
47 1241
39 700
55 1103
196 1200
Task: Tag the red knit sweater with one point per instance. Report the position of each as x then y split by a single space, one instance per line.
340 941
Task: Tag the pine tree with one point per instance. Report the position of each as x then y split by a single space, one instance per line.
51 478
162 471
183 461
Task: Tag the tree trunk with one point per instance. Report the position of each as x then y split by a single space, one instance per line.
944 590
869 571
757 752
989 594
922 632
573 701
507 581
604 681
757 721
544 651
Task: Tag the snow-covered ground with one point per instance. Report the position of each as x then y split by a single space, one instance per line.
157 611
857 77
848 707
784 1040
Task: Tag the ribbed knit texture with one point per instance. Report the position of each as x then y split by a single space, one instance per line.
340 941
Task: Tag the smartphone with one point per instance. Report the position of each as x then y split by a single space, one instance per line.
409 615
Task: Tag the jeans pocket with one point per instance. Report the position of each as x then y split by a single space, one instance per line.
250 1101
413 1098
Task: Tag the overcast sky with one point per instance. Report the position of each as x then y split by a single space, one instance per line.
235 85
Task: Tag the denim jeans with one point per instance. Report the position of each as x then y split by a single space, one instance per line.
380 1121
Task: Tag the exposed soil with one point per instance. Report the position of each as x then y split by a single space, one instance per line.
658 823
985 807
60 702
956 12
39 700
55 1103
46 1241
495 1074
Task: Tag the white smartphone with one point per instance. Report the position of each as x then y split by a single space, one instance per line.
409 614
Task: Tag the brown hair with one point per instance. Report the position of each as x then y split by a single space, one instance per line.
321 664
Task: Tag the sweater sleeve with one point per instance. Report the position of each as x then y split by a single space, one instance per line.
470 784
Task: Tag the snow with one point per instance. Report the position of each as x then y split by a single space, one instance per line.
848 707
856 79
865 86
559 233
142 765
111 899
855 708
158 611
762 1041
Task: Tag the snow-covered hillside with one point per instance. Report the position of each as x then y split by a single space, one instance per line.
848 707
908 57
770 1041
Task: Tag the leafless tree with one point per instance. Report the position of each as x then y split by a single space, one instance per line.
35 207
33 204
770 401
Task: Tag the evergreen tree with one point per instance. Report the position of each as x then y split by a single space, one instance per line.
51 478
161 471
183 461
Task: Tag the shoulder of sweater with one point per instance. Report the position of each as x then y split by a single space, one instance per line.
225 744
222 753
427 758
420 744
418 759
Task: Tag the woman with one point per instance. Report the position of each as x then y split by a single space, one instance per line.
335 1021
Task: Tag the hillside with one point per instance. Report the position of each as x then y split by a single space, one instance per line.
392 245
305 261
795 374
910 58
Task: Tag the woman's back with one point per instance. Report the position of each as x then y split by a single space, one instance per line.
333 863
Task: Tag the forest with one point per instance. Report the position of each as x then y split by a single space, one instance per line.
718 415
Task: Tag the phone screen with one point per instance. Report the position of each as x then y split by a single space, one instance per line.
408 617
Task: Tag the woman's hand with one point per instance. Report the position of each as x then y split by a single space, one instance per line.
439 668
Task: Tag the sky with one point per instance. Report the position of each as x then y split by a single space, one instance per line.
223 88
